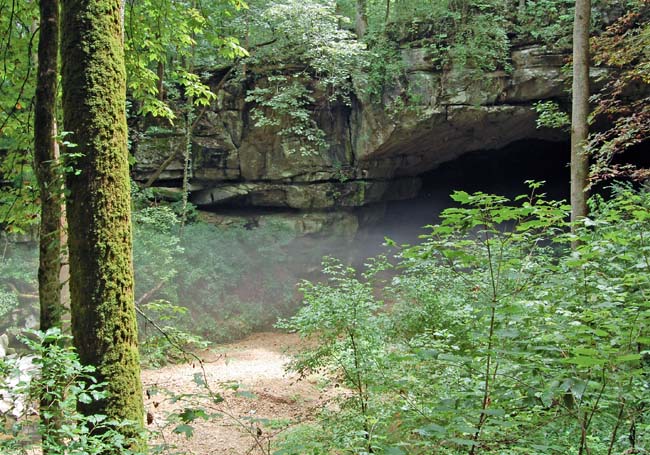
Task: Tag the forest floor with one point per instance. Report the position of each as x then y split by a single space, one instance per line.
245 384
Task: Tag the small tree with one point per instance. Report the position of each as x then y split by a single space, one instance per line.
580 109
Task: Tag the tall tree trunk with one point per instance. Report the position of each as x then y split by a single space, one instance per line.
580 109
361 25
46 155
99 205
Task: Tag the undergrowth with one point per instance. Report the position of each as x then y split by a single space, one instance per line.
493 336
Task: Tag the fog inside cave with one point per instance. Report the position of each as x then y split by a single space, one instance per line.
267 283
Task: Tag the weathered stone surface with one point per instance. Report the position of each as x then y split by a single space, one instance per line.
339 224
537 74
424 88
343 225
265 155
453 113
307 196
373 149
153 150
215 158
460 87
417 59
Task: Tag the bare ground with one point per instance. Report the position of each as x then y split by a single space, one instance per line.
260 399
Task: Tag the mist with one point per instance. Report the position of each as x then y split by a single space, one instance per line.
219 281
502 172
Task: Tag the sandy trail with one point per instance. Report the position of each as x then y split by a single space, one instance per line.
259 398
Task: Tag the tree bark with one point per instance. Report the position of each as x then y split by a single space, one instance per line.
46 155
361 18
580 109
99 205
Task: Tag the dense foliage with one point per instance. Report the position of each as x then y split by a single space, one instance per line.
18 41
493 336
52 371
244 284
623 103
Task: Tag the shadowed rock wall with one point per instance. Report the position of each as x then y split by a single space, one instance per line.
374 152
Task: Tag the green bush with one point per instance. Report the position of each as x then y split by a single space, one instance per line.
53 373
498 337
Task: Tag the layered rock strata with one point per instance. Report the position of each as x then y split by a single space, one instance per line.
375 150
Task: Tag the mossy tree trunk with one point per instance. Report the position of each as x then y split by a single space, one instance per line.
98 208
46 155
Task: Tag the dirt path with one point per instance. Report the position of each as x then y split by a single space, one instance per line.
259 398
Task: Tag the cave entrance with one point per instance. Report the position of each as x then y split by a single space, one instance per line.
501 172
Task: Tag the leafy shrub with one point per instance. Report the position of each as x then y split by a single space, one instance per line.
60 380
498 339
286 105
307 53
548 21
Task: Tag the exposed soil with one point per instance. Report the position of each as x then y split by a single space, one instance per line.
260 399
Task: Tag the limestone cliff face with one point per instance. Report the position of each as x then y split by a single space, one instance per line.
453 113
375 150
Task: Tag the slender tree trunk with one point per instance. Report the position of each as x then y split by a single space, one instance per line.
361 24
580 109
187 162
99 205
46 155
160 71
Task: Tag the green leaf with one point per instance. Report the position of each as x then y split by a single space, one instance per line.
431 428
629 358
185 429
199 379
85 398
190 414
584 361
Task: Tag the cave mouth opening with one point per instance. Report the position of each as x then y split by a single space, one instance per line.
501 171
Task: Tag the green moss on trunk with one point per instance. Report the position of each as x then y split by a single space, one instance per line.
45 166
98 208
45 162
